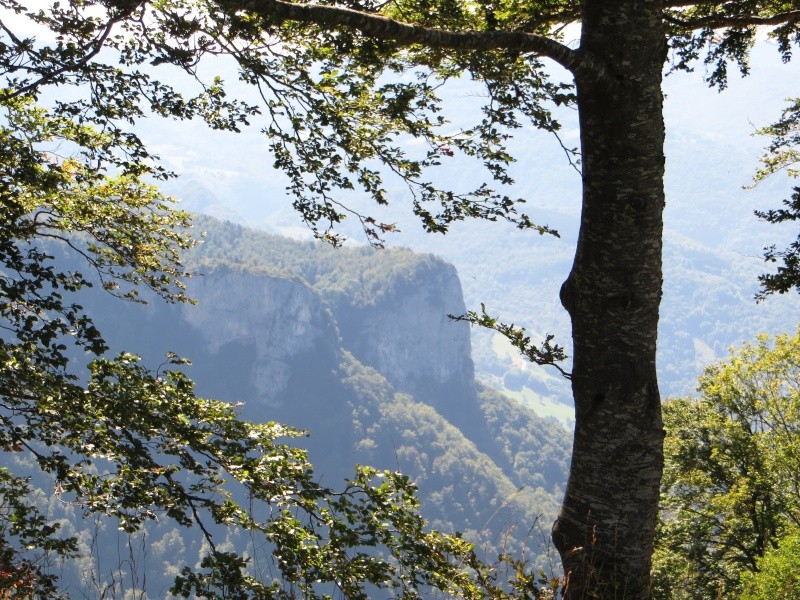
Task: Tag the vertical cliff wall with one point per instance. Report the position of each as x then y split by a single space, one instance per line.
282 322
396 321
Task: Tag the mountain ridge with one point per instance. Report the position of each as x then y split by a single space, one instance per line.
355 346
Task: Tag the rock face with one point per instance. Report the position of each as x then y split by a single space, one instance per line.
270 320
355 346
281 321
405 333
275 321
247 336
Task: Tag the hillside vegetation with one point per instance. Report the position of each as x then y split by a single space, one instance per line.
355 347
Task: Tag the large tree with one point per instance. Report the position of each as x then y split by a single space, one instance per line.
344 88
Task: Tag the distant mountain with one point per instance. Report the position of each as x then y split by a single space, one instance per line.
356 347
712 248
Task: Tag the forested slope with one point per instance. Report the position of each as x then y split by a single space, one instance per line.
356 347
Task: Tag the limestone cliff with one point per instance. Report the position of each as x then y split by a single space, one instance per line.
289 310
390 308
400 327
282 321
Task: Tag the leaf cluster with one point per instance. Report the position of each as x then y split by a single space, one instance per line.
335 124
787 275
721 34
782 155
777 576
545 353
731 486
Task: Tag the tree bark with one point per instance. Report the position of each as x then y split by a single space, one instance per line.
606 526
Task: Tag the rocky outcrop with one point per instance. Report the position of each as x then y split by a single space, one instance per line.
324 341
270 321
403 331
282 321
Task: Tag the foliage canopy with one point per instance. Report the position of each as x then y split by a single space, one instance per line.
731 487
777 577
330 114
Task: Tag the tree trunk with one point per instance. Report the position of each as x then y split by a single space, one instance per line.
605 529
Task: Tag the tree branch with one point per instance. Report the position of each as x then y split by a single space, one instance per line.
688 3
275 11
719 21
545 354
94 48
557 19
